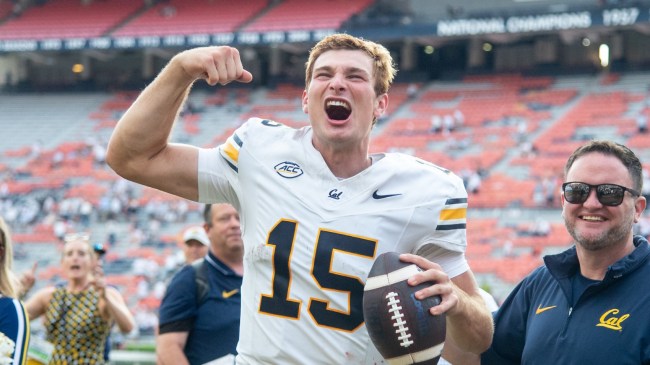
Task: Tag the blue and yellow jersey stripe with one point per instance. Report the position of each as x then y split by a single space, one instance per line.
230 151
453 215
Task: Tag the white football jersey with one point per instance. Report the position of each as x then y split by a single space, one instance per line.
311 238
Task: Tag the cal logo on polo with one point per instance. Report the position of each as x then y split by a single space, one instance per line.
610 319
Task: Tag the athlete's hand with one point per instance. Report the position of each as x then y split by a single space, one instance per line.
216 65
442 287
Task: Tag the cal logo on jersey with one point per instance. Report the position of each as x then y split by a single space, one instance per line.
288 169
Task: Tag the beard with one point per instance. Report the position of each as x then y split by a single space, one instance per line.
604 239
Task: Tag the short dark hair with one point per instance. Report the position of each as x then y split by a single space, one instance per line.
609 148
207 214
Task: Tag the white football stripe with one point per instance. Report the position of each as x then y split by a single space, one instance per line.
391 278
416 357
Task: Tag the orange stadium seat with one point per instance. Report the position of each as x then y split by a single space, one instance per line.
63 18
306 15
180 17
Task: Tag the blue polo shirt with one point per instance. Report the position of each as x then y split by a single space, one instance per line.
550 318
214 325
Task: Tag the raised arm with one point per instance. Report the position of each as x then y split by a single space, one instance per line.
139 148
118 310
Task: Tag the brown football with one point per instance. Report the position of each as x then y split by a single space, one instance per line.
400 326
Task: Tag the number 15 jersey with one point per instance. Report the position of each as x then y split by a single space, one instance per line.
311 238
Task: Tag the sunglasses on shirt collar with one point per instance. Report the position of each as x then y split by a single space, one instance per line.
608 194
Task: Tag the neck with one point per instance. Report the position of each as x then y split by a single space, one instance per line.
344 160
234 261
594 264
77 285
345 166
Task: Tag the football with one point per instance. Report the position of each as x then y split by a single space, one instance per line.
400 326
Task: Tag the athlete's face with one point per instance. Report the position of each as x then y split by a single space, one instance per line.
593 225
341 100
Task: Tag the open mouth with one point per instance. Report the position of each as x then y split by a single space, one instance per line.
337 109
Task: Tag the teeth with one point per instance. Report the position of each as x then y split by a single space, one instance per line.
592 218
338 103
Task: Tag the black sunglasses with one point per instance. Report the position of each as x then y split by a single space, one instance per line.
607 194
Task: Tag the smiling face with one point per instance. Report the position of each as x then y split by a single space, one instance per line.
595 226
341 99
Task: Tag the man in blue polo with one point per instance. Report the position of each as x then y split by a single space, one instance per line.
199 314
588 304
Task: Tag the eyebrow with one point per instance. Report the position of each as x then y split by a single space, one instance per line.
347 69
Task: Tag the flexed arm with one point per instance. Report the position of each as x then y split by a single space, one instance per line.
139 149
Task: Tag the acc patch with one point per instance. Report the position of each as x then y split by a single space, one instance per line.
288 170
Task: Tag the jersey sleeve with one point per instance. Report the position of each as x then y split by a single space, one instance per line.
219 167
178 307
443 216
443 211
14 331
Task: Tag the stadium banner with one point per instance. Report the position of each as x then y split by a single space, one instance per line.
531 23
183 41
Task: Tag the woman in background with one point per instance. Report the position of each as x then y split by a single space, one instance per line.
79 315
14 326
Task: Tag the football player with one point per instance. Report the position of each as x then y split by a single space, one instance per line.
316 208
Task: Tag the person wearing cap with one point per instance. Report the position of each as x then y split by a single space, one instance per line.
195 244
198 326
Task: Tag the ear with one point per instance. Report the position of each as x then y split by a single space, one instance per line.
639 207
382 105
305 100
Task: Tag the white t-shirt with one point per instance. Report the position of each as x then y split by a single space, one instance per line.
311 238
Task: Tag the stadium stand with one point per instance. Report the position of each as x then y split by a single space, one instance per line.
509 181
509 137
307 15
192 17
68 19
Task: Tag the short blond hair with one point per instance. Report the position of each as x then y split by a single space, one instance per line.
383 70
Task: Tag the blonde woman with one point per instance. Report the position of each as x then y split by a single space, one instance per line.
79 315
14 325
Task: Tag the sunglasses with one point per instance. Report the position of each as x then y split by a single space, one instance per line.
607 194
71 237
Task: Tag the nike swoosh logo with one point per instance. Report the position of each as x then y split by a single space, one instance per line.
544 309
376 195
228 294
